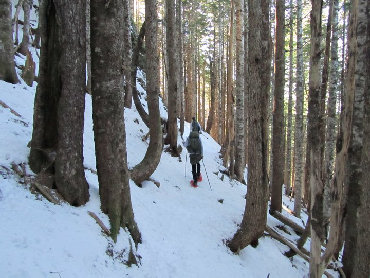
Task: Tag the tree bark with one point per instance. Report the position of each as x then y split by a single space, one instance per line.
135 63
356 247
172 78
108 116
7 66
149 164
288 160
239 92
255 214
278 111
60 99
318 233
127 53
298 132
23 48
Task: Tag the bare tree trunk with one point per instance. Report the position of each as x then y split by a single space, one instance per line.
331 121
239 92
108 115
356 246
288 160
298 132
23 48
88 48
7 66
211 114
230 104
278 112
135 63
60 100
149 164
180 80
314 113
127 53
172 78
255 214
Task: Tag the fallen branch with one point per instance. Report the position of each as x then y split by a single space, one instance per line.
286 242
3 104
298 229
100 223
45 191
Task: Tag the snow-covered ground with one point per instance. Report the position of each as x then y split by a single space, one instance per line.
183 228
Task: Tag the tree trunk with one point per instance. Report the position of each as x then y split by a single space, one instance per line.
288 160
331 121
278 112
239 92
7 66
127 53
229 84
172 78
316 184
135 63
211 114
180 79
60 99
298 131
149 164
23 48
356 247
255 214
108 115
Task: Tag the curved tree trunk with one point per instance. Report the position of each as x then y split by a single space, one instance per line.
108 115
147 166
7 66
60 99
135 62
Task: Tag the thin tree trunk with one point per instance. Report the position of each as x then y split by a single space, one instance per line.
298 132
180 80
135 63
7 66
278 112
172 78
23 48
127 53
239 92
288 160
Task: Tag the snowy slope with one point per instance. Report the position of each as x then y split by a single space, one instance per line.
183 228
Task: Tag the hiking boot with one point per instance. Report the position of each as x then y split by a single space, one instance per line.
193 183
200 177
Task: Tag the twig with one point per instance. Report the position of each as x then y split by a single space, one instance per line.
100 223
45 192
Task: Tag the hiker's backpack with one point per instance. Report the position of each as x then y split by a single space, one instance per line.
194 143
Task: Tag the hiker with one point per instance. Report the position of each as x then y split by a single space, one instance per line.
194 146
195 126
